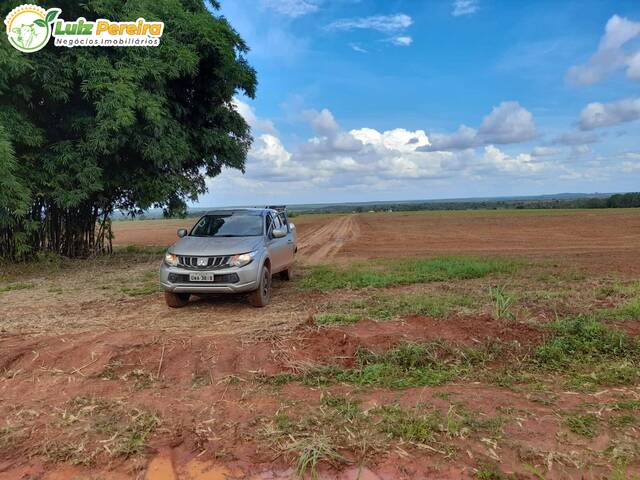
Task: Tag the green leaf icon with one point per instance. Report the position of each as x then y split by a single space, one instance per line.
40 23
51 16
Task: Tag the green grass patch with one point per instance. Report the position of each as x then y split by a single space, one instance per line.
387 307
630 308
405 366
633 405
149 289
322 434
16 286
409 425
627 311
589 353
492 472
583 339
622 421
337 319
502 302
386 273
585 425
145 284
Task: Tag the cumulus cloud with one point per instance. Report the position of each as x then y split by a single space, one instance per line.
292 8
598 115
248 113
396 140
374 160
322 122
523 163
381 23
509 122
464 137
464 7
611 54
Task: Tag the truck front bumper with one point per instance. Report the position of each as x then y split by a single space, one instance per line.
226 280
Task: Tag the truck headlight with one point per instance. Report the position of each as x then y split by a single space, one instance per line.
242 259
171 259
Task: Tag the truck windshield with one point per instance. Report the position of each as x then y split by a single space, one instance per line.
228 226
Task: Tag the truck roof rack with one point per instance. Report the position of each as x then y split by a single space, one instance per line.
278 208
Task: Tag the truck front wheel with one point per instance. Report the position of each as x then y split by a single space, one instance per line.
262 296
176 300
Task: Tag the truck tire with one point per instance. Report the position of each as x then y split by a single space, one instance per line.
176 300
262 296
287 274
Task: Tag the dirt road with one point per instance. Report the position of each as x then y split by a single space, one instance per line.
317 245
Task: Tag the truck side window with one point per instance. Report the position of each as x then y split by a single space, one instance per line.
276 222
283 221
269 221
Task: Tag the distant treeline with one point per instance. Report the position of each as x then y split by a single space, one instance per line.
619 200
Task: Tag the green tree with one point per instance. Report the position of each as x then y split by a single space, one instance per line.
86 131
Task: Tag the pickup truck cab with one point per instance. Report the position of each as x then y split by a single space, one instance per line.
230 251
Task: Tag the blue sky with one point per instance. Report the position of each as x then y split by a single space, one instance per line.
391 100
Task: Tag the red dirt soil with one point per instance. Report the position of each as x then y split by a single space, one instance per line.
206 431
203 384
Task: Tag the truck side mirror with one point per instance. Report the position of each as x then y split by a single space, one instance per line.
278 233
182 232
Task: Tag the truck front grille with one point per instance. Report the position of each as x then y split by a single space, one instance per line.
222 278
208 263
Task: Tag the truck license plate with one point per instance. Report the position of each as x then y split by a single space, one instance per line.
201 277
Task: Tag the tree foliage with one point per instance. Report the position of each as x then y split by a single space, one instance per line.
85 131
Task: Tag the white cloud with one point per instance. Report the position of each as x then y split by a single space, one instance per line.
611 54
270 150
398 139
598 115
464 137
381 23
367 160
542 151
633 72
630 167
257 124
357 48
322 122
292 8
574 137
509 122
464 7
402 40
522 163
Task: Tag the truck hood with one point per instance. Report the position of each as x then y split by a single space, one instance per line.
215 246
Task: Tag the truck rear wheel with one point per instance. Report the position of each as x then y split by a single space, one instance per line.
176 300
262 296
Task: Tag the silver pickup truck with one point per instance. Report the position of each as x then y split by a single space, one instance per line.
230 251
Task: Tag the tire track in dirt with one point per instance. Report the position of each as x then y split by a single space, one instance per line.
324 243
